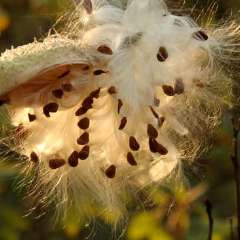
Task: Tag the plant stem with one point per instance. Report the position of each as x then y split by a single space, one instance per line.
208 205
231 229
236 166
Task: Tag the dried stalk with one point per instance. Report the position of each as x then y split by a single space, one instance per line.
236 167
209 207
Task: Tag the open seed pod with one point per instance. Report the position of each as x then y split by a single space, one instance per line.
117 102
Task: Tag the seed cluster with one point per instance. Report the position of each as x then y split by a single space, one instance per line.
84 122
87 104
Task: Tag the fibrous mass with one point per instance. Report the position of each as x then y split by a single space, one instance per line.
116 100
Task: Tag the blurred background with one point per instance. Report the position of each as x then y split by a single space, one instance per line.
175 213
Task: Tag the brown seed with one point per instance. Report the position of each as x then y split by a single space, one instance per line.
50 108
83 139
200 35
111 171
156 102
87 4
87 103
152 131
199 83
131 160
112 90
161 120
81 111
155 114
3 101
73 159
105 50
133 144
123 123
34 157
95 93
84 123
64 74
156 147
67 87
98 72
56 163
31 117
162 54
179 86
84 153
120 104
168 90
58 93
85 67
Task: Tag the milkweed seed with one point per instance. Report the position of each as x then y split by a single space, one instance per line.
3 101
87 102
112 90
111 171
156 147
123 123
81 111
83 139
155 114
179 86
87 4
58 93
34 157
98 72
31 117
85 67
67 87
73 159
84 153
133 144
50 108
84 123
152 131
56 163
156 102
162 54
131 160
64 74
95 93
161 120
105 50
120 104
168 90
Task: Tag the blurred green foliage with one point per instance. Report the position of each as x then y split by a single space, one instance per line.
174 214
